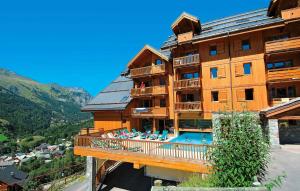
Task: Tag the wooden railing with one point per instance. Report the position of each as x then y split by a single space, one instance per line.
186 60
284 74
148 70
149 112
282 45
148 91
188 83
147 148
91 131
188 106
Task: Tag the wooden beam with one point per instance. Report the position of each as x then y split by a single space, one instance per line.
289 118
137 166
182 164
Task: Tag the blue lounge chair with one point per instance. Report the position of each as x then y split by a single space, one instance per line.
163 136
134 133
154 136
145 135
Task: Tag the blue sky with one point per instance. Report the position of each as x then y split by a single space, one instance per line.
88 43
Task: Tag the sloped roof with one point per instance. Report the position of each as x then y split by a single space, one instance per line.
281 107
231 24
18 176
115 96
151 49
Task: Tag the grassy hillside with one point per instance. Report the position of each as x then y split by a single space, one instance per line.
29 107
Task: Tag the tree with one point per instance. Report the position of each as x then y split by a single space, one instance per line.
241 151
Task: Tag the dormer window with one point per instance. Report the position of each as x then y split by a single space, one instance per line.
246 45
213 51
158 62
185 26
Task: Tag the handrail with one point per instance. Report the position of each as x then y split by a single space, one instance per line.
284 69
154 69
187 83
149 90
282 40
159 111
188 106
186 60
149 148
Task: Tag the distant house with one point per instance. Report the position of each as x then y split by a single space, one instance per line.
12 179
43 147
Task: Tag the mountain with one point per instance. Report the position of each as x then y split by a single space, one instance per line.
30 107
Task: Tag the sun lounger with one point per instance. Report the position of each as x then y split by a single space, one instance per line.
164 135
145 135
154 136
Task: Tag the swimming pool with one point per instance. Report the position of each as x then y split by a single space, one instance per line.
193 138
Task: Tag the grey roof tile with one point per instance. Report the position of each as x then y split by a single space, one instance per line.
230 24
18 177
115 96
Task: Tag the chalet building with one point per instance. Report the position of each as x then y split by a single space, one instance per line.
249 62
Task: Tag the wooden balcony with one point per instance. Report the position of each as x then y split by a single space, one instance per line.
192 60
291 14
153 112
180 156
148 70
187 84
149 91
188 106
283 74
281 46
277 101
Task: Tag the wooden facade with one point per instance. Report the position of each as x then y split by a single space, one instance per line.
251 69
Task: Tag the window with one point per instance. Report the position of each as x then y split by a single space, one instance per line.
281 93
146 103
214 73
246 45
215 96
190 75
249 94
195 124
162 103
278 37
213 51
162 81
158 62
291 91
247 68
281 64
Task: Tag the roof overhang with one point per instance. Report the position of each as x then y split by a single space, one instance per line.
194 21
147 48
281 109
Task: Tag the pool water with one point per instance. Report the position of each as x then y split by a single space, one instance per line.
193 138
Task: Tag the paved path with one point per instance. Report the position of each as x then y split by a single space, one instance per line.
286 159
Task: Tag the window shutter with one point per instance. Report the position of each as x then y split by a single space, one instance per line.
239 70
221 47
221 72
223 96
240 95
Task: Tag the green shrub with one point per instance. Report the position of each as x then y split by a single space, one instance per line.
241 150
196 180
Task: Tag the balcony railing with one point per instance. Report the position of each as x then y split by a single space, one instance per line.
277 46
149 112
148 70
143 148
277 101
149 91
188 106
187 84
186 61
284 74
